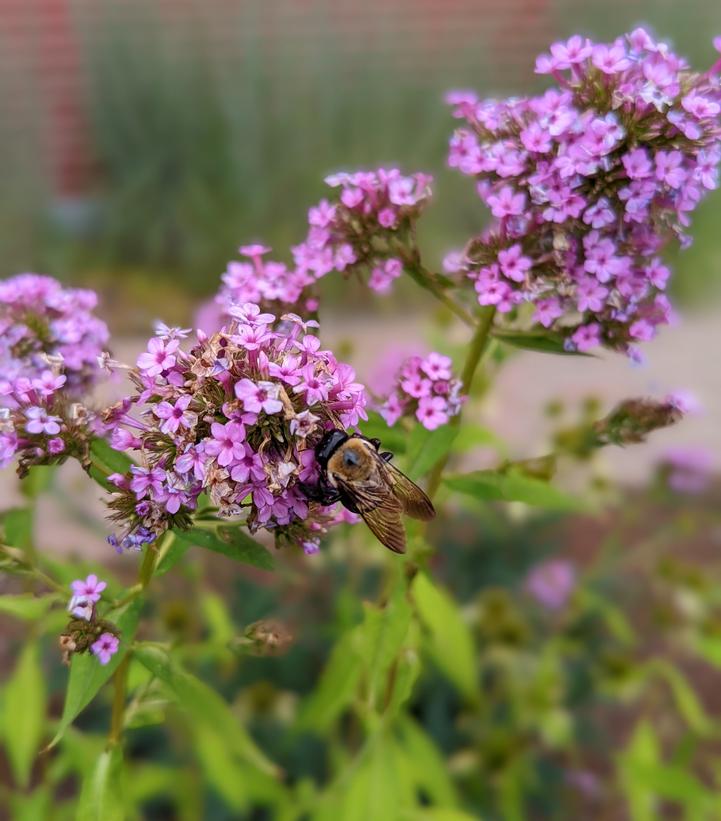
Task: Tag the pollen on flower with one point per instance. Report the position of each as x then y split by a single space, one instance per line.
586 183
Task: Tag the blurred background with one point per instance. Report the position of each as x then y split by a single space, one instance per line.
142 142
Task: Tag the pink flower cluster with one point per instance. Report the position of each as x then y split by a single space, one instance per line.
365 228
43 324
267 283
40 424
587 183
236 417
425 388
87 631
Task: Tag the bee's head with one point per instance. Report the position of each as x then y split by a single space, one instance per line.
328 445
352 459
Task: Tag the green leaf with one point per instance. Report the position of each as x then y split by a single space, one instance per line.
232 542
25 700
101 795
535 341
104 461
383 632
171 552
26 606
338 683
38 479
450 642
684 695
18 525
203 705
408 668
489 485
429 766
87 675
115 461
426 447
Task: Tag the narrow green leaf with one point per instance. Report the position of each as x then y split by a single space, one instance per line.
489 485
429 766
114 460
383 632
38 480
171 553
203 705
450 642
536 341
684 695
426 447
87 675
338 683
101 795
25 700
230 541
26 606
18 526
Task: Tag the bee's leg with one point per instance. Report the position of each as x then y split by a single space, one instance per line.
348 502
321 493
386 456
376 443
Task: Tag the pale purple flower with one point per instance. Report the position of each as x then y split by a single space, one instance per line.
260 396
552 582
437 366
89 588
105 647
40 421
159 357
506 202
227 444
175 415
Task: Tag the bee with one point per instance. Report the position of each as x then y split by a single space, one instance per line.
357 474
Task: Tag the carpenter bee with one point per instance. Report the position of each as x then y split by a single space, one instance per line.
356 473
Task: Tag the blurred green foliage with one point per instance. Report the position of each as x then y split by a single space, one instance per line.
201 146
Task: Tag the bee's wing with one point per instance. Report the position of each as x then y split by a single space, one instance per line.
413 500
379 508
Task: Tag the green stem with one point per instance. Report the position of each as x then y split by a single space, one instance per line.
477 347
428 281
120 677
120 683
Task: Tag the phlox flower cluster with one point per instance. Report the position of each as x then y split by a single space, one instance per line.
86 631
365 227
40 424
425 389
237 417
587 183
44 324
272 285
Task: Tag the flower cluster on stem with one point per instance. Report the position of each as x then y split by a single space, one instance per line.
587 183
44 326
237 418
426 389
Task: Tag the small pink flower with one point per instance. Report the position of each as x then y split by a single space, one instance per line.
432 412
159 357
105 647
259 396
89 588
437 366
506 202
